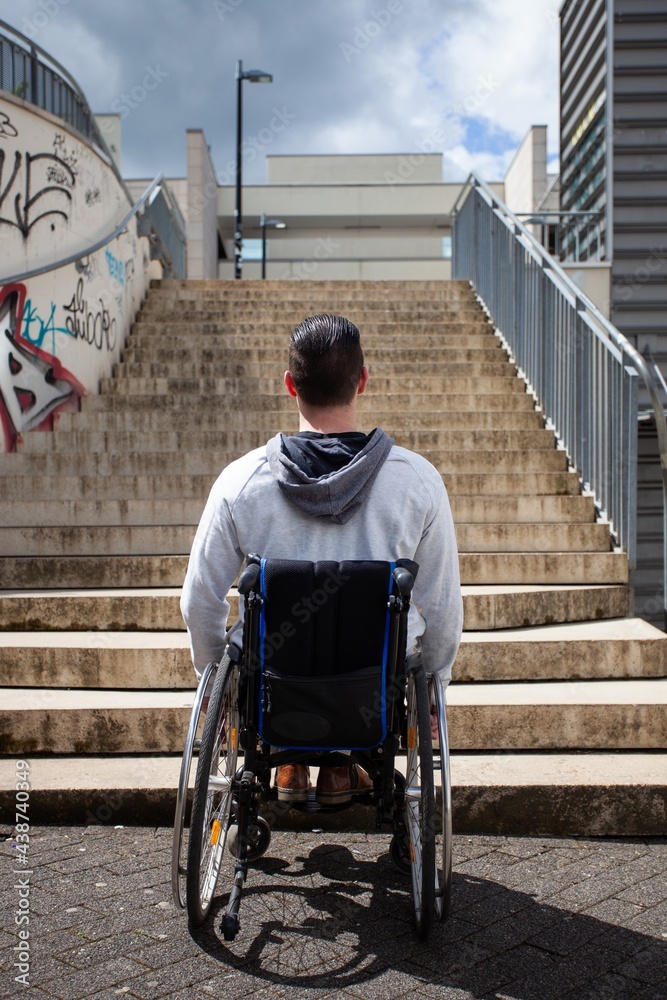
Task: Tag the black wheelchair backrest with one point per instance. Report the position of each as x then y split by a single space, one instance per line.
325 648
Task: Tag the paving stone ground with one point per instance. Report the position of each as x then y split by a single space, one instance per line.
327 915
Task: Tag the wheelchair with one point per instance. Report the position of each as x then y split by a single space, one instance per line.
318 675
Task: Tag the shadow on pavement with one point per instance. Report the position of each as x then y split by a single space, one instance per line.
333 919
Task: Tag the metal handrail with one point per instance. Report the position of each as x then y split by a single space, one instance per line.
72 258
615 343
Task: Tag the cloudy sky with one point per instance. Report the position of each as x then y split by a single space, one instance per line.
465 77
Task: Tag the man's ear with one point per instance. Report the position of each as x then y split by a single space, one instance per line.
289 384
363 380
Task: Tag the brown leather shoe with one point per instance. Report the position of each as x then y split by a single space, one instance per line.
292 782
337 785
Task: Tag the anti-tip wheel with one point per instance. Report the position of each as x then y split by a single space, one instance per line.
230 926
258 839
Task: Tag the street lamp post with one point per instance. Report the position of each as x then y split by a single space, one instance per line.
268 224
255 76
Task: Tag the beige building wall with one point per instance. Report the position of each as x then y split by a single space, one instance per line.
594 279
371 168
526 177
201 218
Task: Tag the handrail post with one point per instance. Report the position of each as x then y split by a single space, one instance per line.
629 463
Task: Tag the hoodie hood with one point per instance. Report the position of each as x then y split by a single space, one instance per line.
334 496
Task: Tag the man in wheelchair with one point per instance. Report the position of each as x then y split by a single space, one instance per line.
329 492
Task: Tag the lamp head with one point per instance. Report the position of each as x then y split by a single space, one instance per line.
257 76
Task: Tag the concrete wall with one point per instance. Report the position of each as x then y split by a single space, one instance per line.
110 127
62 331
594 279
323 269
526 177
373 168
201 213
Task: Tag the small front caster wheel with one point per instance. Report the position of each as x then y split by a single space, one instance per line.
399 852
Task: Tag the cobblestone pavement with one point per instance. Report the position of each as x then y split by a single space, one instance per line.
328 915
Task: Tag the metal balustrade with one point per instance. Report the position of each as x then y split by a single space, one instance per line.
582 370
27 71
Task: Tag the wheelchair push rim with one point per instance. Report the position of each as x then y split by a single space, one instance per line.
443 861
420 802
190 752
213 794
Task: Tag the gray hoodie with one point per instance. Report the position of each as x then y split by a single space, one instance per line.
385 502
337 494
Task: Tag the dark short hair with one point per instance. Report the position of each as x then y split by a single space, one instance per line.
325 360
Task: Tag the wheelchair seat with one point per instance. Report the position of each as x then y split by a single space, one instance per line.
321 677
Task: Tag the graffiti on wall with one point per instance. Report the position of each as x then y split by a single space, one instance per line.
33 382
34 187
90 321
7 130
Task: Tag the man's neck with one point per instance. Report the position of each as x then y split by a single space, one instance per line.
339 420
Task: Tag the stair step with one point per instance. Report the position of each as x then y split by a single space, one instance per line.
95 571
583 715
164 511
212 462
576 794
268 420
506 606
427 334
274 369
531 537
95 515
158 609
174 538
135 609
105 488
433 288
543 568
620 648
244 440
377 327
158 487
571 715
245 347
554 510
147 660
486 347
394 403
397 384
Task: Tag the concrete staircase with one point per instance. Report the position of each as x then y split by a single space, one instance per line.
558 710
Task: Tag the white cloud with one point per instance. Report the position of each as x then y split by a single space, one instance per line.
417 75
459 162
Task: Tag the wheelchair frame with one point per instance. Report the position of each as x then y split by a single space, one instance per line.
227 795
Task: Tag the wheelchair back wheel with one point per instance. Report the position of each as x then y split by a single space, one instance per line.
420 801
190 751
214 792
443 834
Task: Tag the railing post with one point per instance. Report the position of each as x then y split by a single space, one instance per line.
629 465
